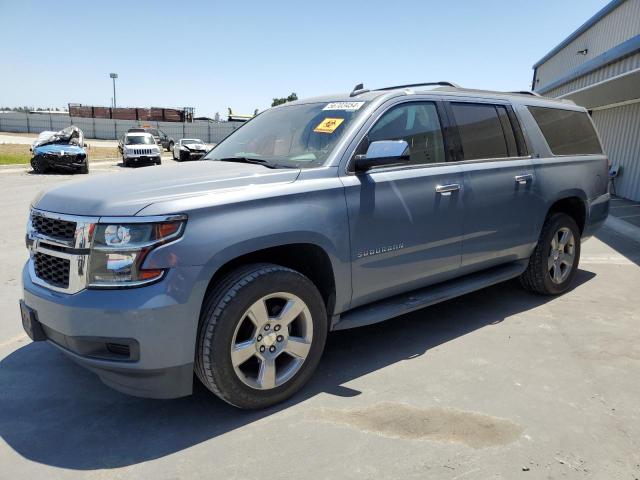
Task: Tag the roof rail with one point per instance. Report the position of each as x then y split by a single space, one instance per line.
426 84
527 92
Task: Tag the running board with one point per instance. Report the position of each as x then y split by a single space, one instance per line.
408 302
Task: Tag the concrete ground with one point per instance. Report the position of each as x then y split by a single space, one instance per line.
496 384
626 210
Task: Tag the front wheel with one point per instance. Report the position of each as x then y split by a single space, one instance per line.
38 164
554 262
262 333
170 147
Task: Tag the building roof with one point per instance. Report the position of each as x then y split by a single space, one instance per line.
583 28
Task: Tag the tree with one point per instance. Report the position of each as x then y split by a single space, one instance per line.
280 101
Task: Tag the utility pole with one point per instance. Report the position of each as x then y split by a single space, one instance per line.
113 76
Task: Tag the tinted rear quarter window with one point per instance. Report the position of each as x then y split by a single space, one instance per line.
481 131
568 132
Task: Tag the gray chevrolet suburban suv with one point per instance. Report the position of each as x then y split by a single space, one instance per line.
318 215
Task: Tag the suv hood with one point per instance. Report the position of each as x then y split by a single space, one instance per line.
126 193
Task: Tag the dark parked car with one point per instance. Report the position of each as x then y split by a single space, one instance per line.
63 150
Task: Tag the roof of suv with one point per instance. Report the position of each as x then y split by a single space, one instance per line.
443 89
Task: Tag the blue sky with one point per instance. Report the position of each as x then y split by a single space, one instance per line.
217 54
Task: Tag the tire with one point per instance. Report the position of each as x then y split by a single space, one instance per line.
226 316
85 168
554 264
125 162
38 165
158 162
170 148
173 154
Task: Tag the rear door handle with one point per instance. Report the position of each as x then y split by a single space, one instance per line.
524 179
447 189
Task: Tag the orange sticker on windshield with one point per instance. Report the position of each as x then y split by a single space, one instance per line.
328 125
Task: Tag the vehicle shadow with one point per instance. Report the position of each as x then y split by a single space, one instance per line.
620 243
56 413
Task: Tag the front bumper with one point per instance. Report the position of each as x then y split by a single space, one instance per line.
192 154
158 323
68 162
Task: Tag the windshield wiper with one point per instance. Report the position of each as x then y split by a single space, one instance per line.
255 161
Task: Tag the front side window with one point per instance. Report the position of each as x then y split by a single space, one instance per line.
481 131
568 132
416 123
300 136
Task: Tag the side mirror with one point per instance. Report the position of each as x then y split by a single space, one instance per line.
383 153
85 145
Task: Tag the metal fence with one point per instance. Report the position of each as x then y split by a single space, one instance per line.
107 129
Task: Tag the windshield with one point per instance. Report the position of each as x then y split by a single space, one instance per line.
139 140
300 136
191 141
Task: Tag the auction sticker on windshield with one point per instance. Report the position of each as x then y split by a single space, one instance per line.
328 125
348 106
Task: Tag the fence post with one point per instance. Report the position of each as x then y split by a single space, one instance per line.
115 129
28 126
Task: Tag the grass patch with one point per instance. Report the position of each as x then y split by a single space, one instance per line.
11 154
16 154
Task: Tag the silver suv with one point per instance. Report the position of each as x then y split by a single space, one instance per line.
317 215
139 147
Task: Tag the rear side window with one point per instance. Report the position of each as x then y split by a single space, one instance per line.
481 131
567 132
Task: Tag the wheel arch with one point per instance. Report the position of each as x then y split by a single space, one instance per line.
310 259
572 204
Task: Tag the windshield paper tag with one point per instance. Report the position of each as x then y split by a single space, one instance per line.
348 106
328 125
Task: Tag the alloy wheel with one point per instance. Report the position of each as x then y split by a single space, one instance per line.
561 255
272 341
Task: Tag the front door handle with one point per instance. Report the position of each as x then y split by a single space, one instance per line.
523 179
447 189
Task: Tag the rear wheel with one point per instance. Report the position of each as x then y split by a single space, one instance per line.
554 262
262 333
170 147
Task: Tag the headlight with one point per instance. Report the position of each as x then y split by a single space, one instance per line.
119 251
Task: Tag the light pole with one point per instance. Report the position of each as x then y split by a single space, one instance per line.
113 76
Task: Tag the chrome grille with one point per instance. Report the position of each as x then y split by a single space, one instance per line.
53 227
53 270
142 151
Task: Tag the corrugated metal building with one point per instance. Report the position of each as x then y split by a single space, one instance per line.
598 67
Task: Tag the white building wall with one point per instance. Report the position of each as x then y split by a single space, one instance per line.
619 25
619 129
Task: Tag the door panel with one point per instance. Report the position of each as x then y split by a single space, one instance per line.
498 195
500 212
404 234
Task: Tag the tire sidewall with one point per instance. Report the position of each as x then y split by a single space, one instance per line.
556 222
218 361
